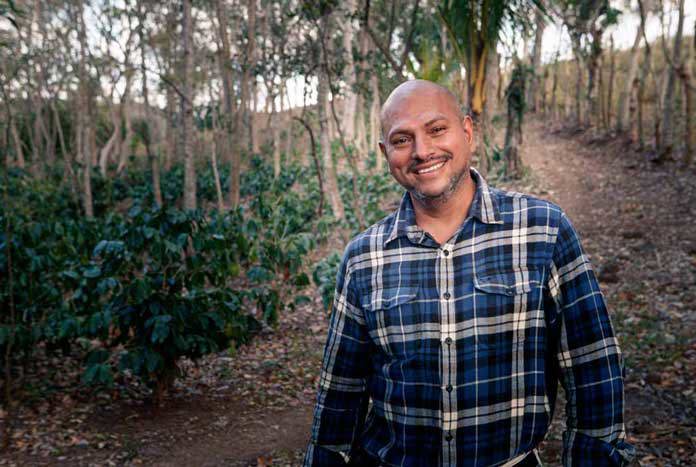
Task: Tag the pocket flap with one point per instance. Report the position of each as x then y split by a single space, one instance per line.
381 299
512 282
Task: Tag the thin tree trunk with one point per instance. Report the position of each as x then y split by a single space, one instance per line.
69 170
532 93
554 86
83 122
317 165
230 146
635 113
350 97
111 143
215 116
578 91
19 152
187 110
125 117
610 92
633 62
152 157
374 122
592 71
665 149
322 104
361 141
289 136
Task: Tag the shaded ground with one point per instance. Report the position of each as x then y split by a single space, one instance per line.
254 408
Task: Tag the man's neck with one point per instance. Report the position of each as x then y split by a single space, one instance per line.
442 218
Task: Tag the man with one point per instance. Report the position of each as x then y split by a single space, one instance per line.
457 315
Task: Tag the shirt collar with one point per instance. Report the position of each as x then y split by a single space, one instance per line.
484 207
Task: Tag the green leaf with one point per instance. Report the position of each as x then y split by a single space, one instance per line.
92 272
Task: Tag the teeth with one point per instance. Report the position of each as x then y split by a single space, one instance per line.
430 169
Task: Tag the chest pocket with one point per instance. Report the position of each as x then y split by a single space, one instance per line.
395 320
509 307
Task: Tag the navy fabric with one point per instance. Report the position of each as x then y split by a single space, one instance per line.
451 354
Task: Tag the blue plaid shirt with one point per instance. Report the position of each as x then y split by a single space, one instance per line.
449 354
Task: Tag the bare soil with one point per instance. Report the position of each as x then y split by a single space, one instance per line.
636 220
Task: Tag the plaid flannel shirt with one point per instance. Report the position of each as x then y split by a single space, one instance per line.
457 349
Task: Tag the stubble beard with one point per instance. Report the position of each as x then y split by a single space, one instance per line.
455 182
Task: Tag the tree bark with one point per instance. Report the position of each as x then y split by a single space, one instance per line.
633 62
187 109
610 91
230 147
350 97
19 151
667 137
151 156
322 104
83 122
540 24
375 130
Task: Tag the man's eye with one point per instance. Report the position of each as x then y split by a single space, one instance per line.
400 141
438 129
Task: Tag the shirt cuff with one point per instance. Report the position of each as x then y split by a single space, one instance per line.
581 450
319 456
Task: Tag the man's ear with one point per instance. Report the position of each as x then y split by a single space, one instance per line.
384 150
468 127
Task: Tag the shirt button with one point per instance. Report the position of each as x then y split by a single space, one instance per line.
445 252
449 388
448 341
448 437
446 295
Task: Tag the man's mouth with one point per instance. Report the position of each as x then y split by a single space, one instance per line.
430 168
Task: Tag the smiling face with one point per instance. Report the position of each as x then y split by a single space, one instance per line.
426 140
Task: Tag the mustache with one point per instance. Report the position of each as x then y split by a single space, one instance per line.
418 161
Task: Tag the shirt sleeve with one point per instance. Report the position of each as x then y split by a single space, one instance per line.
588 359
342 395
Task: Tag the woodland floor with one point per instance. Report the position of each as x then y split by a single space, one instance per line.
636 220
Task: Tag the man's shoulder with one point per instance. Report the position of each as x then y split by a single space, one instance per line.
372 237
513 204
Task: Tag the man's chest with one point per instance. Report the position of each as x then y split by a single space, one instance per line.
471 296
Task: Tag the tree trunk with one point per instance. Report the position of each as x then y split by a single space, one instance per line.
38 133
623 106
350 97
19 152
593 116
610 91
667 139
83 122
554 86
540 24
230 146
361 141
151 156
124 145
111 143
187 109
215 117
322 104
579 62
275 132
289 136
374 123
635 113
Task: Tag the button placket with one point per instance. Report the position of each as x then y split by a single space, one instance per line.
445 287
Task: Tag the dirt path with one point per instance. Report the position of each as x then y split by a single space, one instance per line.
636 221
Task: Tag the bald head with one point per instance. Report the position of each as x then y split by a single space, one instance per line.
416 89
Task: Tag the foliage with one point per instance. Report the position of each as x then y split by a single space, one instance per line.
141 289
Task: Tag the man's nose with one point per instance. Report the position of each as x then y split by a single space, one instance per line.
423 148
